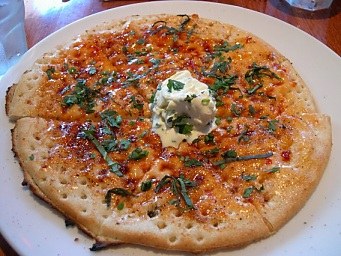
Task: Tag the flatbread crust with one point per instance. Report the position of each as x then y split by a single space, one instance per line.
57 174
236 200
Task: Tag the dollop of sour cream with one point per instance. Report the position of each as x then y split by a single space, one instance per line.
183 109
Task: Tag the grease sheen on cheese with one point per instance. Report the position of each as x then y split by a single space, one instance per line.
182 112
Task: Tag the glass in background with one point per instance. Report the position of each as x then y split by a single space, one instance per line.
311 5
12 33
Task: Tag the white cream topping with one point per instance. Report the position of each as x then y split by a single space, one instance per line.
183 109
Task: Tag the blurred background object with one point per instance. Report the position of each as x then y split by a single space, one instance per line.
311 5
12 33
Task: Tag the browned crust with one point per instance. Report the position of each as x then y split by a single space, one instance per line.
292 188
21 141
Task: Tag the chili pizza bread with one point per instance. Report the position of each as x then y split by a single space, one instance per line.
169 131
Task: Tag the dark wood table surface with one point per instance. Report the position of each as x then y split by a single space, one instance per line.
44 17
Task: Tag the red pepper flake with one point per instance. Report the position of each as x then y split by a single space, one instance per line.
268 161
248 39
286 155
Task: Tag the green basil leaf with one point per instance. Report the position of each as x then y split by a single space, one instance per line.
191 162
146 185
174 85
247 192
111 118
116 191
138 153
273 169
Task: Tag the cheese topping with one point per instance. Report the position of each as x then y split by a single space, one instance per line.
183 109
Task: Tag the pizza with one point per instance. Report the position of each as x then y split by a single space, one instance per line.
169 131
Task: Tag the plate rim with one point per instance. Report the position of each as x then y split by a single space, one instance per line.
45 42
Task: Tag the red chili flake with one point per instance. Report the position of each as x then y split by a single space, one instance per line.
286 155
268 161
199 178
248 39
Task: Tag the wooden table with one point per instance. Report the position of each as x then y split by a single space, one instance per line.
47 16
42 18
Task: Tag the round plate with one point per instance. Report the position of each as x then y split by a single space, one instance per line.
33 228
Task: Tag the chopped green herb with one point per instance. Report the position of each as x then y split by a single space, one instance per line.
235 110
174 201
111 118
138 153
226 47
163 182
211 152
254 89
155 62
110 145
205 102
152 98
248 177
141 41
174 85
252 110
120 192
146 185
257 72
82 96
257 156
116 191
136 104
72 70
221 67
107 78
231 156
181 124
31 157
189 98
273 169
133 79
114 166
218 101
217 120
49 72
272 125
229 128
244 136
247 192
120 206
191 162
223 84
209 138
143 134
124 144
179 187
184 22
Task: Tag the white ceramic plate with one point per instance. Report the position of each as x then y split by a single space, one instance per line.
33 228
